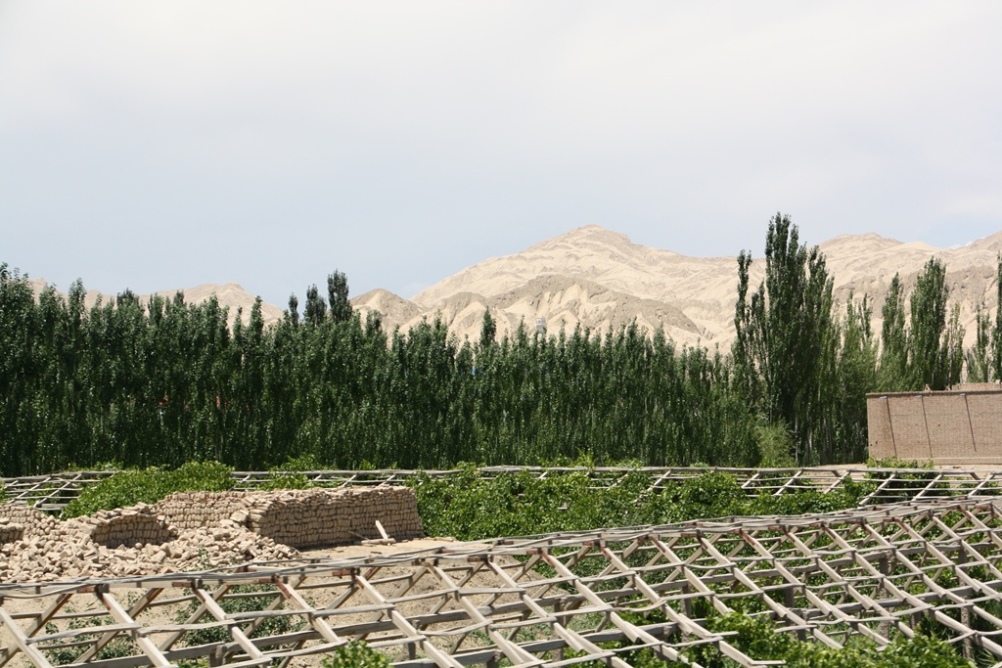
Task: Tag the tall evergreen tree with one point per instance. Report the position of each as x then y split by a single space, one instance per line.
292 314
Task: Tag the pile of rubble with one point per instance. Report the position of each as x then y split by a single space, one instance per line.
196 531
99 546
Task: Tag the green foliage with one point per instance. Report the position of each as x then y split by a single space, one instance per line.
285 480
471 507
980 358
895 463
290 474
233 605
928 324
791 359
199 477
759 640
929 352
893 371
775 445
165 382
125 488
121 646
355 654
149 485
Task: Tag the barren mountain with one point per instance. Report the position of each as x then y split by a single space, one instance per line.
554 301
231 296
599 279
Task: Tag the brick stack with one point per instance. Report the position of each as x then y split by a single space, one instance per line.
126 527
302 518
10 531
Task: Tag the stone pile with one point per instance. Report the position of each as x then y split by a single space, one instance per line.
26 516
126 527
10 531
302 518
192 510
197 531
48 549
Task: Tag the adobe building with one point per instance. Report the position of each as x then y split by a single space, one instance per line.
956 427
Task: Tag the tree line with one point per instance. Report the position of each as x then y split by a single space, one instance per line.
164 382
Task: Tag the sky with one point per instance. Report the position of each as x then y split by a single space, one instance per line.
165 145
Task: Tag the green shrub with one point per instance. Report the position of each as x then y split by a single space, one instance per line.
290 474
775 445
127 488
231 605
121 646
200 477
470 507
759 640
355 654
895 463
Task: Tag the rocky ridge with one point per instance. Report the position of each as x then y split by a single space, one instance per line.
600 279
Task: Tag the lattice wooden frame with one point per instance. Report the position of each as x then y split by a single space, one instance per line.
53 492
555 599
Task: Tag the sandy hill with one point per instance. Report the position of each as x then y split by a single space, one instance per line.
231 296
600 279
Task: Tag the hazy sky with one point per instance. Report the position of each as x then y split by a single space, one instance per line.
164 145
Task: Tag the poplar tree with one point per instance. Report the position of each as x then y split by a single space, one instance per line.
488 329
926 357
979 358
893 370
316 308
786 338
997 332
337 297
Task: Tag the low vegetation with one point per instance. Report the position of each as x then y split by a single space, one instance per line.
758 639
129 487
469 506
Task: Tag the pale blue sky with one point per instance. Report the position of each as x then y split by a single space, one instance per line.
164 145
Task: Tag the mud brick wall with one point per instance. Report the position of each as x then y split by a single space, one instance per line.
315 518
302 518
10 531
27 517
948 428
128 527
192 510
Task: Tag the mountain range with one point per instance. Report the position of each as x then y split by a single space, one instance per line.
599 279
